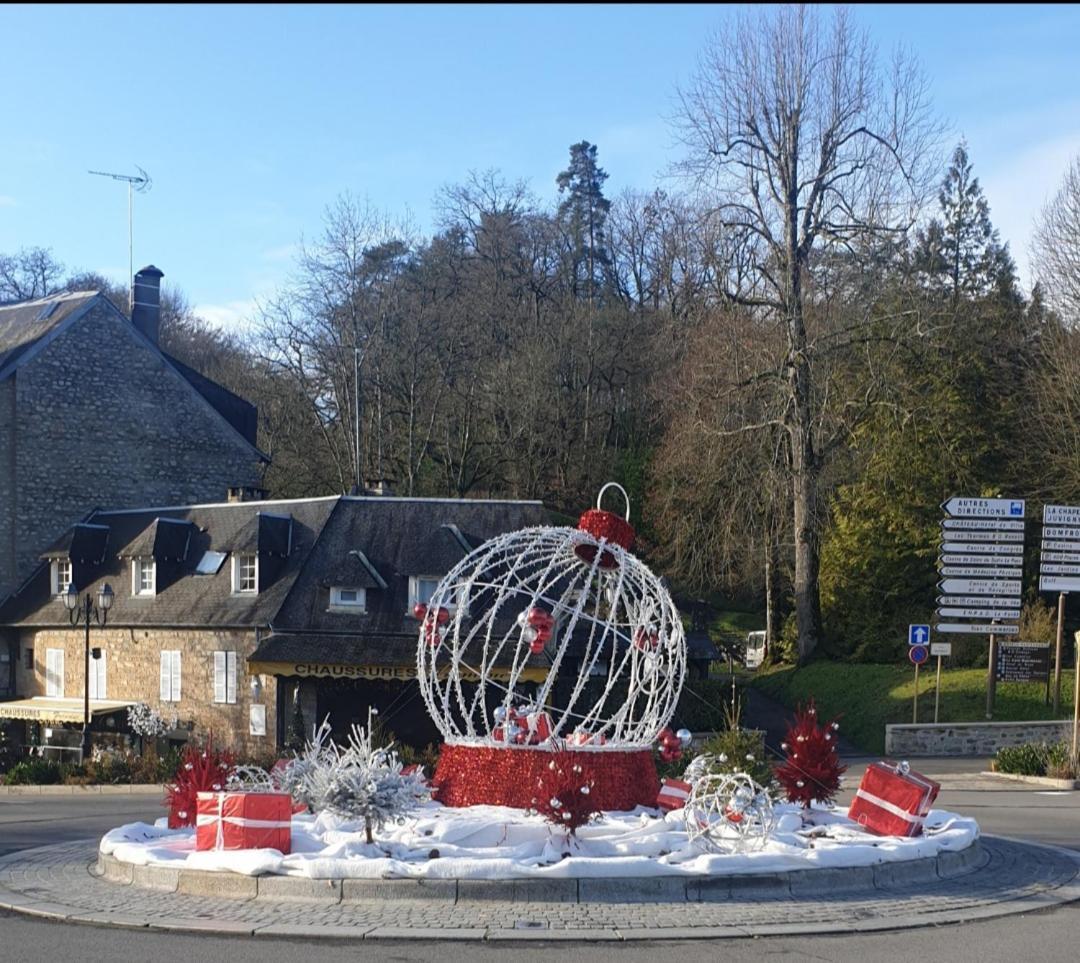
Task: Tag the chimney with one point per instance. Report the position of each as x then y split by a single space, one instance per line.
146 309
247 493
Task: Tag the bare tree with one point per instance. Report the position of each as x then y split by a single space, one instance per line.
1056 247
31 272
807 151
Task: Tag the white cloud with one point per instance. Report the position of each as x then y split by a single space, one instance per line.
6 200
1019 186
233 316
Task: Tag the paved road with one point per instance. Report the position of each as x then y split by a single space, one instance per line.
27 821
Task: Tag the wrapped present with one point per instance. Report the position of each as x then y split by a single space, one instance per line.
244 820
583 738
673 794
538 726
893 800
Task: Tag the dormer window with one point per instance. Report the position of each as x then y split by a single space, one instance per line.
348 599
143 576
61 576
421 588
245 574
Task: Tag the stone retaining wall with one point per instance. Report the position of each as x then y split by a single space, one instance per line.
969 738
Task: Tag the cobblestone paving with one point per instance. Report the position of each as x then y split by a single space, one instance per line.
1015 877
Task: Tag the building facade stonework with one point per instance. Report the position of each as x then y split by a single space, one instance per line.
93 415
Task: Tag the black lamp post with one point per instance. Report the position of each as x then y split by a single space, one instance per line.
83 611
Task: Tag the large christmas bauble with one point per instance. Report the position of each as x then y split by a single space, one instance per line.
552 634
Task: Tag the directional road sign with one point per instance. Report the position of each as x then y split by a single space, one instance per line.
972 601
1061 514
981 536
949 559
1057 545
984 507
969 628
985 548
949 612
1059 583
918 634
1051 568
918 654
968 571
982 525
1056 531
971 586
1061 556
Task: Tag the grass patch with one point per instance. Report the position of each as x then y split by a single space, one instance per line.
869 696
737 623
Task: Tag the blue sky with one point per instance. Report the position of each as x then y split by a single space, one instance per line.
251 119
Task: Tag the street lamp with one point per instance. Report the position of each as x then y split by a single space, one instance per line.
83 611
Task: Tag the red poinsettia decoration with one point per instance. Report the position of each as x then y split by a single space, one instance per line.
811 768
564 794
202 769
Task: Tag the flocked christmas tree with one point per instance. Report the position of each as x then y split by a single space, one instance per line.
202 769
811 768
359 781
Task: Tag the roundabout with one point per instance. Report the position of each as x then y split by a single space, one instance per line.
992 878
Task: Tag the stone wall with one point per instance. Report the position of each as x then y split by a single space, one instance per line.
969 738
98 419
132 670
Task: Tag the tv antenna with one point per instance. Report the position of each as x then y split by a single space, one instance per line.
141 183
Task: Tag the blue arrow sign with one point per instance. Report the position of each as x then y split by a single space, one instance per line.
918 634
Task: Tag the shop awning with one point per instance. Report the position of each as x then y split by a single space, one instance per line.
47 709
400 673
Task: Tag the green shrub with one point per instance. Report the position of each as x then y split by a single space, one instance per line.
702 705
1028 759
1060 763
35 772
740 750
786 649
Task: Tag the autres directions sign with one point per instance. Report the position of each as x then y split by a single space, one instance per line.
958 507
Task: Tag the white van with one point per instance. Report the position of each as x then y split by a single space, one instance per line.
755 649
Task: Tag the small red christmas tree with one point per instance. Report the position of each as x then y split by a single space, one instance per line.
563 795
811 768
201 769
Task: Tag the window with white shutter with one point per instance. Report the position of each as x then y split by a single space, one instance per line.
97 677
170 676
54 673
225 677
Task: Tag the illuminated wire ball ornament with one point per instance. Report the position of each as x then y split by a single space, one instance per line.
551 638
728 812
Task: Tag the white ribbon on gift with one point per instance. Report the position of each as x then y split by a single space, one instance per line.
204 819
889 807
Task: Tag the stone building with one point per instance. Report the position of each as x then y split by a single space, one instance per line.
228 615
93 413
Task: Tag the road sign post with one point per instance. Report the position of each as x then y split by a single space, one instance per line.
1076 706
917 653
991 677
1057 653
939 650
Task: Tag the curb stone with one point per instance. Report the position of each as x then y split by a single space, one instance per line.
1005 877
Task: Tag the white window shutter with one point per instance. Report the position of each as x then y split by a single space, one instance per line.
230 677
97 677
165 688
54 673
102 691
176 675
219 677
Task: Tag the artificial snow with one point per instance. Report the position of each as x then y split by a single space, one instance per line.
496 842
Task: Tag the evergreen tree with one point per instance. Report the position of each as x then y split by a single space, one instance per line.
960 252
584 213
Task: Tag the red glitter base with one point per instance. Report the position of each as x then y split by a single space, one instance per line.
487 776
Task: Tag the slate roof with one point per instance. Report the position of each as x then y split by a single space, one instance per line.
80 543
26 325
302 545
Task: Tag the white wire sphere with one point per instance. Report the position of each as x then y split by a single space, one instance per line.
617 646
728 812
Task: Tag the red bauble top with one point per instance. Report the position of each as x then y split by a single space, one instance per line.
607 526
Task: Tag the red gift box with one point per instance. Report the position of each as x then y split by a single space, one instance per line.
673 794
244 820
893 800
539 727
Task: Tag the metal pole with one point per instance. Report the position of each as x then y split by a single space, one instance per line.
937 690
991 678
131 252
356 406
915 701
1057 653
1076 704
86 684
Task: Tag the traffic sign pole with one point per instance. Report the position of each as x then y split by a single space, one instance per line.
915 703
937 690
991 679
1057 653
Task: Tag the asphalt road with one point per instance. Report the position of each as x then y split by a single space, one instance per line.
1040 816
